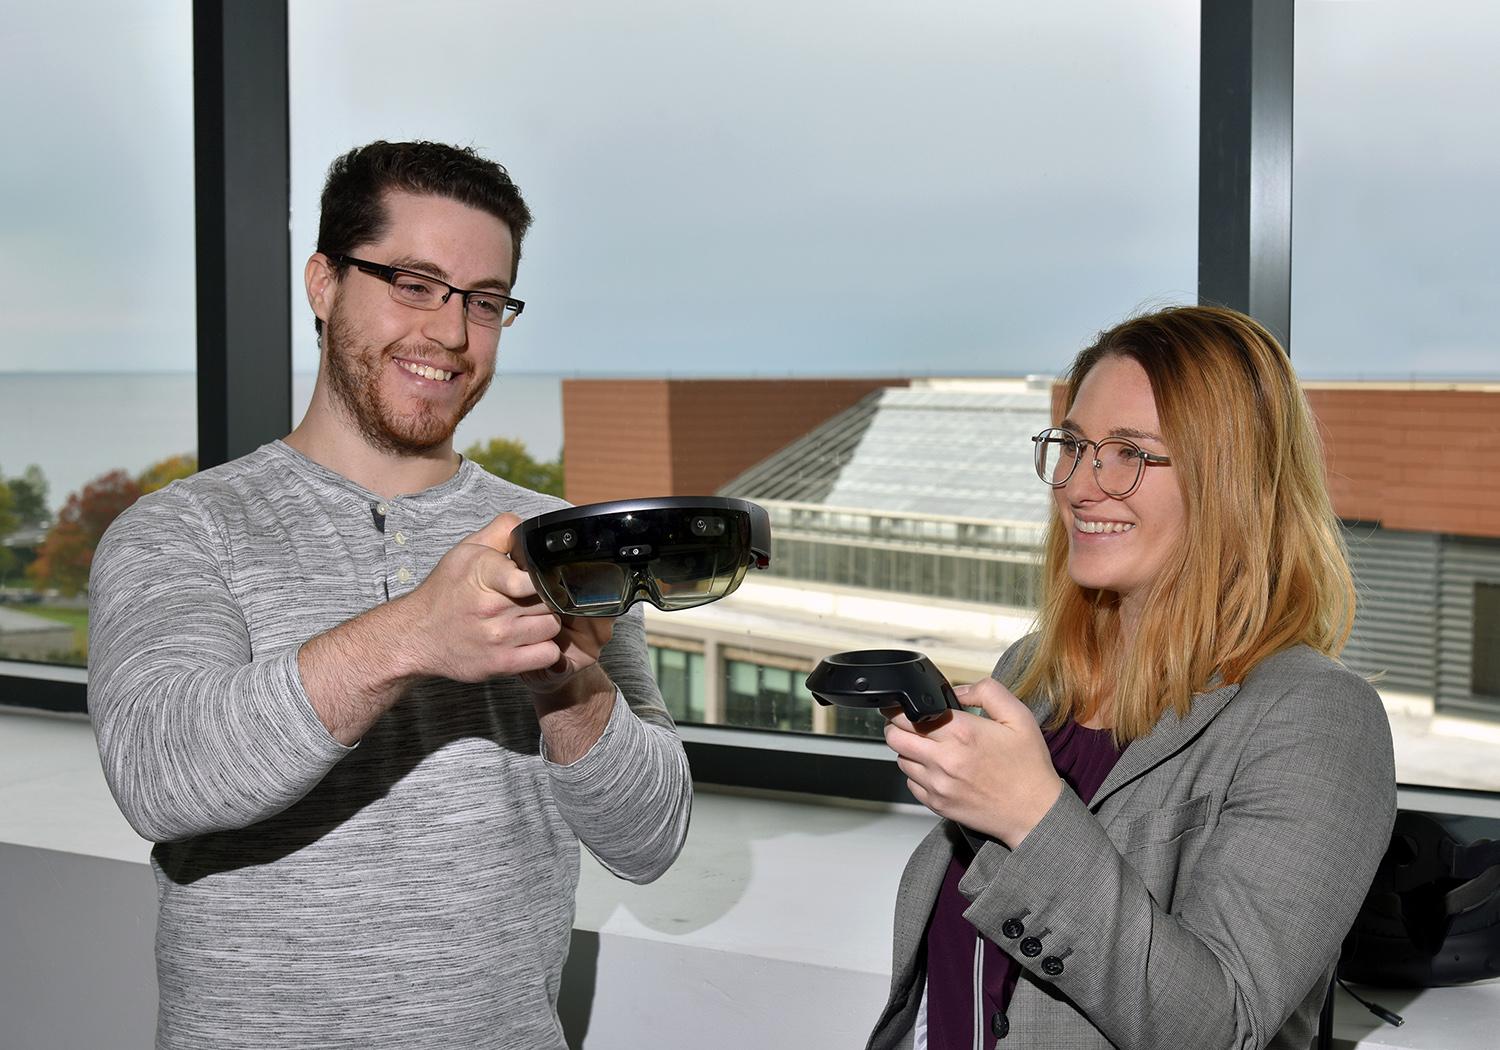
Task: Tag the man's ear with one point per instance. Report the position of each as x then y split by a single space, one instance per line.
322 285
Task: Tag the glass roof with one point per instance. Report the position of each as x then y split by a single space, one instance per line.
959 448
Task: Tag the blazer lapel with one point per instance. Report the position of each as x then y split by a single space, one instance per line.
1169 736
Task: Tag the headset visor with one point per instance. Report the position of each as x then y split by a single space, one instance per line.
675 552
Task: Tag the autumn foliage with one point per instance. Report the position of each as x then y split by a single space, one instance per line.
66 555
161 474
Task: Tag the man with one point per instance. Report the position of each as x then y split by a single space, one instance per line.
366 751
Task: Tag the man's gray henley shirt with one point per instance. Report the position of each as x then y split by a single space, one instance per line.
416 890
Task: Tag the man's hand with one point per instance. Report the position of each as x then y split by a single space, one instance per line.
574 697
478 615
579 643
484 618
993 775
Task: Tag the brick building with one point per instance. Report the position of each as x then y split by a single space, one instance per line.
911 504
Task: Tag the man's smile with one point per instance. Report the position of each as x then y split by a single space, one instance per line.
417 368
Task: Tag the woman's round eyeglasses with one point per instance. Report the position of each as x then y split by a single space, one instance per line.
1118 462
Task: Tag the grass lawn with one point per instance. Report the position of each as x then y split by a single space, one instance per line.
78 619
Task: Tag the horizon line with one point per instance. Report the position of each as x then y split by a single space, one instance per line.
1362 377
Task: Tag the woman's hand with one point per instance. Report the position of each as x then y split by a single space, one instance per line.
993 775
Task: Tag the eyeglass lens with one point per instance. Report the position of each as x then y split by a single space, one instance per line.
1118 461
412 289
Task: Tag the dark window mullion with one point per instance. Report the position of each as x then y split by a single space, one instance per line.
243 206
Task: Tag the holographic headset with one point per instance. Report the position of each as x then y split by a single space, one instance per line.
676 552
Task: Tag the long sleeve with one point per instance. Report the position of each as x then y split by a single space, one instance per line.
197 732
1292 829
629 797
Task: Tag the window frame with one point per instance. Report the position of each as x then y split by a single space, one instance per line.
1486 600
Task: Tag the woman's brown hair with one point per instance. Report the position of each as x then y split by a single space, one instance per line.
1262 565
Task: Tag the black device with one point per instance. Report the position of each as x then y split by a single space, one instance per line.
676 552
883 678
1432 915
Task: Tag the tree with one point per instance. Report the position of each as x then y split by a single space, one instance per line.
30 494
67 553
508 459
23 505
162 473
9 519
65 556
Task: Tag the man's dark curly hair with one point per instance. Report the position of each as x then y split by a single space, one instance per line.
353 205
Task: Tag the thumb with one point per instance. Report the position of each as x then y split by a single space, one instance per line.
998 702
496 535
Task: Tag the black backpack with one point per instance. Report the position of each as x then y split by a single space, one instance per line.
1432 916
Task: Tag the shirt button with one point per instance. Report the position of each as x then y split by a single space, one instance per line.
401 538
380 508
403 576
1012 928
999 1025
1052 966
1031 947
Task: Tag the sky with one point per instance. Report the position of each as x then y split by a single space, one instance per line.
786 188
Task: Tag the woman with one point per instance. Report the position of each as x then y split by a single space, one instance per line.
1177 826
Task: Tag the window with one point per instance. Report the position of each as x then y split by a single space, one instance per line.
1486 674
97 371
856 723
679 673
858 171
1396 151
761 696
826 194
1395 285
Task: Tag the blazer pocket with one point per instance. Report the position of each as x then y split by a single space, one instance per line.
1165 825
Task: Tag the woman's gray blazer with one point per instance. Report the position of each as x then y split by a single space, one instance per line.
1198 902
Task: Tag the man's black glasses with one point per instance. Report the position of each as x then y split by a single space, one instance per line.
425 292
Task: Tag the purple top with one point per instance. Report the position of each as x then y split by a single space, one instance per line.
1083 758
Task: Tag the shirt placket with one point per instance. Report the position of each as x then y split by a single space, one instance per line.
400 566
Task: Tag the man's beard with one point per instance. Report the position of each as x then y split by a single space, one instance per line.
354 374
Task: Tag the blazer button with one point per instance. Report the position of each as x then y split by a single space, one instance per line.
1031 947
999 1025
1052 966
1012 928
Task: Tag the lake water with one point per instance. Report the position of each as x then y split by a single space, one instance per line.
77 426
